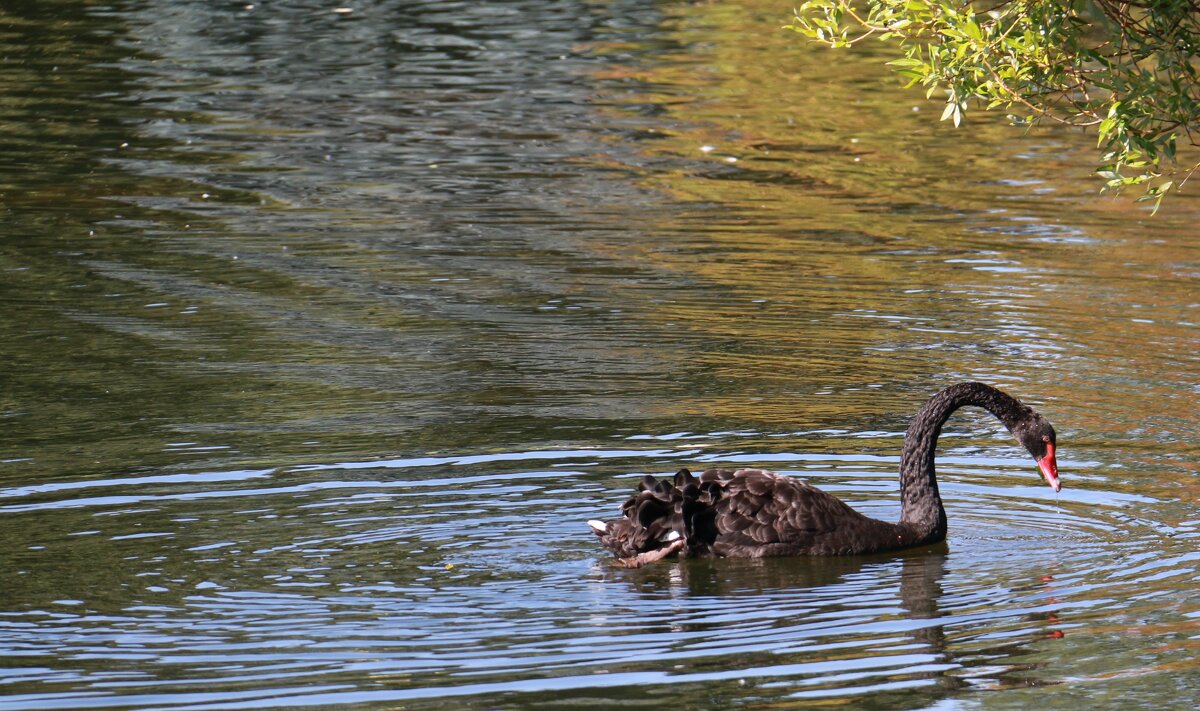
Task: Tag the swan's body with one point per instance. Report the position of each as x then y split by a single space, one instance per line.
754 513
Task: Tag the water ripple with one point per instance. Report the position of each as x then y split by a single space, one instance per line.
485 583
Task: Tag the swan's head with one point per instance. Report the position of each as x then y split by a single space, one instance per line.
1037 436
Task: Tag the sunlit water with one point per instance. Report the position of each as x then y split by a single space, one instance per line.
325 332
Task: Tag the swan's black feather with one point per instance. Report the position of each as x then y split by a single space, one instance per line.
746 513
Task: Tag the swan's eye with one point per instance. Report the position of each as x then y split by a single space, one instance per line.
1046 439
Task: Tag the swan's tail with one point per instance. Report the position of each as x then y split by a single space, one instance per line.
663 518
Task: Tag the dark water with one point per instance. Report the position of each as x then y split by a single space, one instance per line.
323 333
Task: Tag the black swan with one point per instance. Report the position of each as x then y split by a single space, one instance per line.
754 513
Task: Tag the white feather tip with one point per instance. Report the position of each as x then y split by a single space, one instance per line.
598 526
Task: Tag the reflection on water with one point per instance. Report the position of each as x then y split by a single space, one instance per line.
325 332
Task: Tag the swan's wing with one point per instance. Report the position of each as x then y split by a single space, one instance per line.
764 513
733 512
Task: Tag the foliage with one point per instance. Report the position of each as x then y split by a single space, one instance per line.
1129 69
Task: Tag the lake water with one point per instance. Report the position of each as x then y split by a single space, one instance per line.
325 331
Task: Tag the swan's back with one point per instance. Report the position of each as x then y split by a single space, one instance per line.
742 513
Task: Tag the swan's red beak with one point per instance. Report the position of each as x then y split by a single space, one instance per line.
1049 466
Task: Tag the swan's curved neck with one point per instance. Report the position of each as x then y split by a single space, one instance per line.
921 514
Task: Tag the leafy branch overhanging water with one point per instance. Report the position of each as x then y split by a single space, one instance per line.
1129 69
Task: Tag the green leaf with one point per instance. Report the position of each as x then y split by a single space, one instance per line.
972 30
948 111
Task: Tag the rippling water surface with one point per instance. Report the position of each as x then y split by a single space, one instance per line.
325 331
